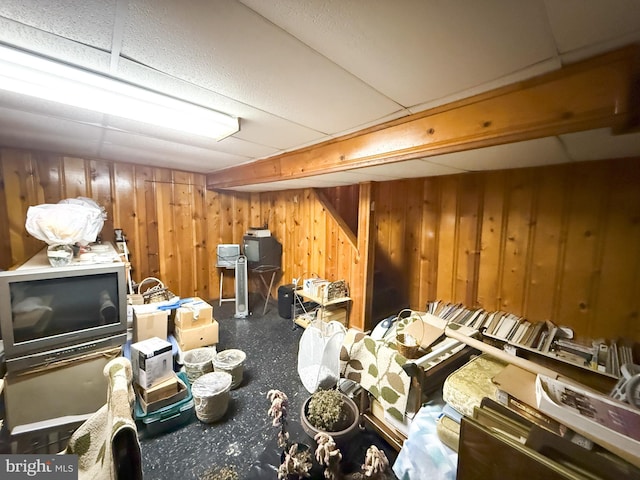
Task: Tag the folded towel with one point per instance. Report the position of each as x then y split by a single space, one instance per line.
107 443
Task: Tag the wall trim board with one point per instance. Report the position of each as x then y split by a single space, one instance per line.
326 203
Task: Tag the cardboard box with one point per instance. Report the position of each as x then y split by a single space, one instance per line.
149 322
152 361
195 313
161 397
65 389
191 338
160 390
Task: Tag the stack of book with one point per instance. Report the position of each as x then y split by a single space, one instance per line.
543 337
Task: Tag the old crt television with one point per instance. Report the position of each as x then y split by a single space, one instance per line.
262 252
227 254
53 313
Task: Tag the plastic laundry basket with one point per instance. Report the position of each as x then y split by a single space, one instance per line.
319 355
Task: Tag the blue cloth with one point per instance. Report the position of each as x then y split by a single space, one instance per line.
423 455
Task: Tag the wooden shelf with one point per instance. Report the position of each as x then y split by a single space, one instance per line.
596 379
320 301
304 322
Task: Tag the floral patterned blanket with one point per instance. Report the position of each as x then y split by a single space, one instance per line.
377 366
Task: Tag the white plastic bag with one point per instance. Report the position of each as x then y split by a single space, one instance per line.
68 222
319 355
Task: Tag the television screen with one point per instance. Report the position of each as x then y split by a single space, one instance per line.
48 307
262 252
53 313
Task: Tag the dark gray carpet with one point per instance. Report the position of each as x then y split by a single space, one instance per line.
244 438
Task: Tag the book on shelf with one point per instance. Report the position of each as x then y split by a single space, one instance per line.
552 330
568 347
478 319
534 337
613 362
526 334
515 324
518 332
496 320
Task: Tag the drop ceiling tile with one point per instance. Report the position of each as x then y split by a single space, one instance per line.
601 144
47 44
227 48
50 109
86 21
414 50
599 48
256 126
143 149
542 151
540 68
408 169
577 24
244 148
274 186
351 177
39 132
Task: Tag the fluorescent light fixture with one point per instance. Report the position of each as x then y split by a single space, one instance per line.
35 76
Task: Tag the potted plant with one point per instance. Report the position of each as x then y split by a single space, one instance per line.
331 412
296 457
328 455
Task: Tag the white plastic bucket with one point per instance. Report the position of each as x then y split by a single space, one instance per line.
231 361
211 396
198 361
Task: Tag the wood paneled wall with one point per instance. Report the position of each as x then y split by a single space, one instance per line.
559 243
172 223
163 213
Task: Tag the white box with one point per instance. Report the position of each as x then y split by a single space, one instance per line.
152 361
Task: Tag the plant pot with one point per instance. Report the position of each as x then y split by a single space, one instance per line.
344 431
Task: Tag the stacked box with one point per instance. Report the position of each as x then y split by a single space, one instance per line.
166 393
195 326
166 415
149 322
194 313
151 361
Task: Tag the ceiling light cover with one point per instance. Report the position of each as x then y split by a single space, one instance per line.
38 77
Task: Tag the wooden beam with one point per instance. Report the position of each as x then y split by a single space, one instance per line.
362 282
595 93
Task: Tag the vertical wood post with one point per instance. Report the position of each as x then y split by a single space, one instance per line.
362 290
